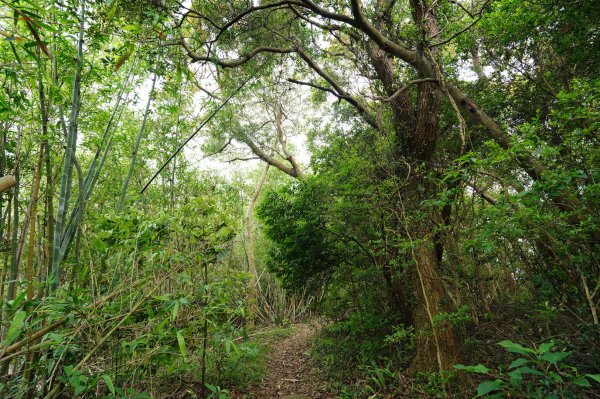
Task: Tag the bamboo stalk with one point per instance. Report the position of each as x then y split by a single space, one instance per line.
51 327
58 387
14 264
137 146
93 171
70 151
31 217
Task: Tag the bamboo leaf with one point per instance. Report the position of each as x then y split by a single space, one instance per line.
15 327
182 348
109 383
122 59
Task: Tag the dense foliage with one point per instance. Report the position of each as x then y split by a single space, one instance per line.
428 182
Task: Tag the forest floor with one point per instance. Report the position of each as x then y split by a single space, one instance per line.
290 373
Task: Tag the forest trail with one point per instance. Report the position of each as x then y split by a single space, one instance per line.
290 373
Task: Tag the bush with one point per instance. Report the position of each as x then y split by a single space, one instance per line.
536 374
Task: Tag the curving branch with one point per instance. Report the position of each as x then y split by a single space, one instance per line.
233 63
404 88
251 10
342 94
325 13
259 152
316 86
327 27
412 57
282 140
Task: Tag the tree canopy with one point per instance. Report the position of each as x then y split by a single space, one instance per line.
421 175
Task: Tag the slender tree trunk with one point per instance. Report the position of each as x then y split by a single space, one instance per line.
6 260
32 356
77 226
2 218
68 163
137 147
49 222
174 167
32 222
251 301
14 264
94 169
114 117
49 188
30 273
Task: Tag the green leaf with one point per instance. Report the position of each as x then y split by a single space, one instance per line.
529 370
595 377
480 368
182 348
555 357
18 300
175 311
582 382
14 51
211 388
68 370
15 327
55 338
545 347
515 348
486 387
556 377
516 378
109 383
518 363
80 385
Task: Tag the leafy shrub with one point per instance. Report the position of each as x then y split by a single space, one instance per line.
237 365
538 373
217 392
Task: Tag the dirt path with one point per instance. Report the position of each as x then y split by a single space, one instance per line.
290 374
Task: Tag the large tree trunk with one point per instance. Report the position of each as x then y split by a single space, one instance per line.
436 344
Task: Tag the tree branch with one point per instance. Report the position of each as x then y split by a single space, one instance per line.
234 63
316 86
326 13
460 32
341 92
268 159
403 89
250 10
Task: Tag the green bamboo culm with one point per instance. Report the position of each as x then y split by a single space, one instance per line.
91 176
137 147
71 139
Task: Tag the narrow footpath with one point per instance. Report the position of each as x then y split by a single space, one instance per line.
290 373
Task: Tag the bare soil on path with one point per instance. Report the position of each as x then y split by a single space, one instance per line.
290 373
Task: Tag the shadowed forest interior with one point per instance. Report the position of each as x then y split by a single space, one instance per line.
299 199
